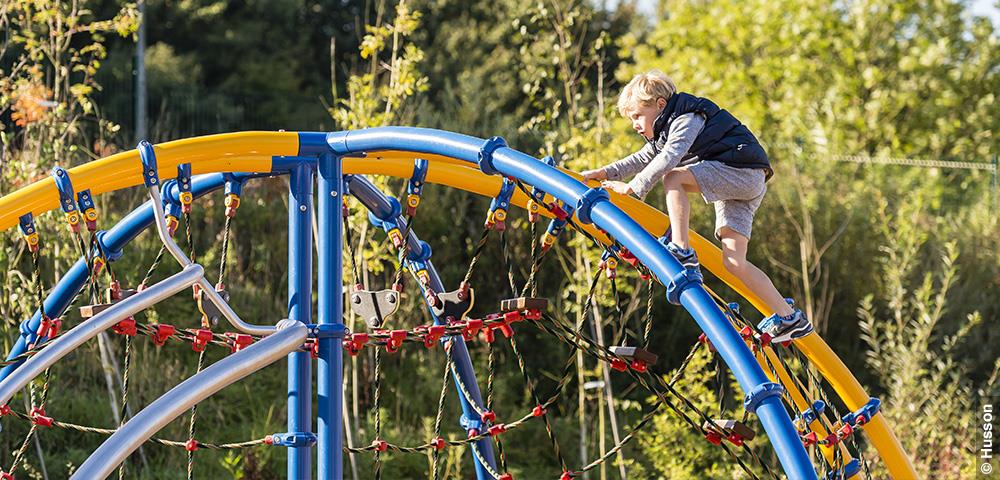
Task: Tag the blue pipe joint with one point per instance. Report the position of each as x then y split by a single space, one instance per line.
65 187
422 255
686 278
293 439
486 154
760 393
812 414
587 202
851 469
868 410
328 330
150 176
109 255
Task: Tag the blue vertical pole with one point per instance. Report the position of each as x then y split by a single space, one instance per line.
300 308
330 368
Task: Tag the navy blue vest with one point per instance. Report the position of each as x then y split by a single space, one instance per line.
724 139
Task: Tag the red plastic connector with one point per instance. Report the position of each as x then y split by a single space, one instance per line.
191 445
538 411
713 437
125 327
506 476
735 439
533 314
497 429
48 327
39 418
471 328
395 340
269 440
380 445
434 333
618 364
240 341
559 212
201 339
163 332
355 343
438 443
566 476
488 416
5 410
810 439
6 476
639 366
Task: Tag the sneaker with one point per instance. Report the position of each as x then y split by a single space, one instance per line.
784 329
686 256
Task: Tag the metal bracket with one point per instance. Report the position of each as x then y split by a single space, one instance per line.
374 306
415 187
293 439
455 305
497 216
210 312
65 187
150 175
328 330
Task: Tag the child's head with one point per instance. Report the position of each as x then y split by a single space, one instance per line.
643 99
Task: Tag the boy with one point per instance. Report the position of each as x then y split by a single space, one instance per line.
693 146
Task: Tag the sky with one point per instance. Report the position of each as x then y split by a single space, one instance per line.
987 8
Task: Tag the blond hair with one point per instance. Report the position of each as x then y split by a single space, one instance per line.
644 89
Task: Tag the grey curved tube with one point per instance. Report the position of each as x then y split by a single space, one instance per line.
160 219
290 335
72 339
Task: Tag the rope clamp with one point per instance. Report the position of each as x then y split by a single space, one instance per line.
27 225
65 186
486 154
497 216
471 328
39 418
585 205
537 195
201 338
239 341
433 335
162 333
864 414
438 443
395 340
125 327
293 439
184 187
760 393
355 342
233 190
48 328
150 175
85 201
415 186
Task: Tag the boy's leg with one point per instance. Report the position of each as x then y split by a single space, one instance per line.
734 258
678 183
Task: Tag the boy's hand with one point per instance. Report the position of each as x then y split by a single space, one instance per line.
598 174
617 187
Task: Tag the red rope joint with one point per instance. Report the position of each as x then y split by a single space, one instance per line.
438 443
395 340
38 417
380 445
201 339
125 327
49 327
191 445
489 416
434 333
162 333
538 411
239 341
619 364
471 328
355 343
5 410
497 429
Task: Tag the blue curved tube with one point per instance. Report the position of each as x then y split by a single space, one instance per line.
509 162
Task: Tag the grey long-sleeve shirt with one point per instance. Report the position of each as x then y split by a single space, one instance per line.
651 165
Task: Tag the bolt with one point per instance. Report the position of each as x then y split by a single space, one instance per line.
302 208
356 299
390 298
333 193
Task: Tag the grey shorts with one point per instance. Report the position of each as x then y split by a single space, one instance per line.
736 193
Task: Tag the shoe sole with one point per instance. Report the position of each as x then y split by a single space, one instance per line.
796 332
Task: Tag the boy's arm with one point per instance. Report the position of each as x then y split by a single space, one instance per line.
630 164
683 132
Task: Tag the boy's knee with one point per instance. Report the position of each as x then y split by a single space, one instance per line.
733 263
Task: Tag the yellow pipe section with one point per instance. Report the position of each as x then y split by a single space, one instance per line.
252 152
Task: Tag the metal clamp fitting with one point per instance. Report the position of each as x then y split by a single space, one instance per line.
85 201
293 439
65 187
587 201
471 423
864 414
328 330
150 175
486 154
423 255
415 186
810 415
27 224
760 393
683 280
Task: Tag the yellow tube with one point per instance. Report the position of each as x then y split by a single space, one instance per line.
252 152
